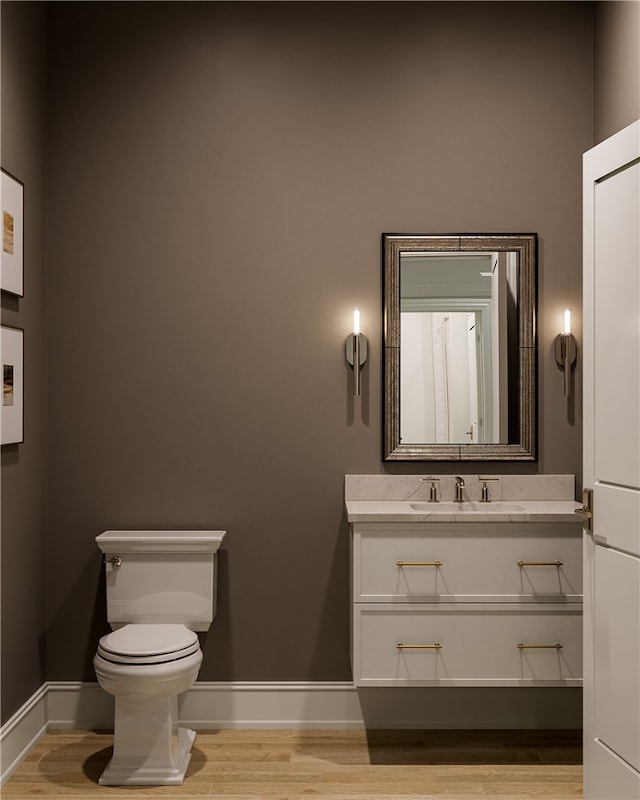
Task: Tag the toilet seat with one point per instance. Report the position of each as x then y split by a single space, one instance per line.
148 644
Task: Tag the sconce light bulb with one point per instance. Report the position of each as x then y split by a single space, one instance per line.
356 321
567 321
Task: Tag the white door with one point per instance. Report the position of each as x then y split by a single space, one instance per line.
612 467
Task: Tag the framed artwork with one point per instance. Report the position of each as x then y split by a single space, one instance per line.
11 270
12 350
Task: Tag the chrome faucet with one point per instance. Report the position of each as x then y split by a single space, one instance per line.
459 488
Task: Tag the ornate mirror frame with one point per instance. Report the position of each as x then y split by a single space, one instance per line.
525 244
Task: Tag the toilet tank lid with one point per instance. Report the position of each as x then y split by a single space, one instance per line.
160 541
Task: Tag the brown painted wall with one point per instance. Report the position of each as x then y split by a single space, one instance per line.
219 177
23 466
617 66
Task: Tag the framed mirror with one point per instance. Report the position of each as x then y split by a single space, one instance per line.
459 314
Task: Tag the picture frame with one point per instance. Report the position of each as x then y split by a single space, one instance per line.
12 265
12 409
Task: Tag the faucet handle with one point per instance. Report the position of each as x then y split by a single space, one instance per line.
433 492
485 489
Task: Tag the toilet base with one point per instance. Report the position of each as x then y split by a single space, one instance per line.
149 747
123 774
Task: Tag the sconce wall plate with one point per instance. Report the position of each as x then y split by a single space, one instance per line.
356 351
566 356
356 355
361 347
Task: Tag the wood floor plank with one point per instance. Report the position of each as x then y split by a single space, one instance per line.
322 765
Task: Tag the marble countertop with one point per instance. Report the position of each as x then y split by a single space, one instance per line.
498 511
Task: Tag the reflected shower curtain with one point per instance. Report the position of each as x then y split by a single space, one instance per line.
441 330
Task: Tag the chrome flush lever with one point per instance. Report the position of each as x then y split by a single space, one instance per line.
115 560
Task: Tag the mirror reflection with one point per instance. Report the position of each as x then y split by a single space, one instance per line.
458 318
459 347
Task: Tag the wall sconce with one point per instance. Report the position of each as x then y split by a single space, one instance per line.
566 351
356 351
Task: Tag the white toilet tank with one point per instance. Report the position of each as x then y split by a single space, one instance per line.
161 576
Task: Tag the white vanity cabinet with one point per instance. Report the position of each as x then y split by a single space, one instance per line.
466 604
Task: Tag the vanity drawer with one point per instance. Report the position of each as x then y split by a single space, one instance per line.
467 562
478 645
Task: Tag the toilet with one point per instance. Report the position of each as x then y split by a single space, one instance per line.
161 589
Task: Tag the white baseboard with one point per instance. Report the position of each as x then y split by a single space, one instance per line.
271 705
216 706
19 734
78 706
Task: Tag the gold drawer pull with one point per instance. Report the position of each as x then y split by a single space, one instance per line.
434 646
555 646
418 563
540 563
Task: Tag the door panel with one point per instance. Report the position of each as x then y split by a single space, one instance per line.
607 777
617 345
617 656
616 515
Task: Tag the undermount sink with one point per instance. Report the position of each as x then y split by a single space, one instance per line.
496 507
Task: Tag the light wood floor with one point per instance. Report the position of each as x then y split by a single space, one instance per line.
320 764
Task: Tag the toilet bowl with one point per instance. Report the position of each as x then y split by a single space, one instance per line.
146 667
160 589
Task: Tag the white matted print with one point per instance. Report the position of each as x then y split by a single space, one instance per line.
12 351
11 271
